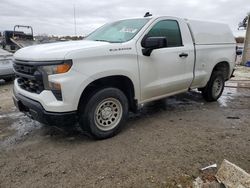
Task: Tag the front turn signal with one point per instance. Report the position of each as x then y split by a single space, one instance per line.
57 68
63 68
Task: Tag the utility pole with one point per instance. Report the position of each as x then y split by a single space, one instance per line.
246 52
75 18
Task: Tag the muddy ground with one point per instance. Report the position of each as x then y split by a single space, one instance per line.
164 145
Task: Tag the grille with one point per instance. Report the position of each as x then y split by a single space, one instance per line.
28 77
26 69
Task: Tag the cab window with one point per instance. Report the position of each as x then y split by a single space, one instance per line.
169 29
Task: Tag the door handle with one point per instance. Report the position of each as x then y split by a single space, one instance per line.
183 55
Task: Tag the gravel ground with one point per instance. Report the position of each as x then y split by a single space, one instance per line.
164 145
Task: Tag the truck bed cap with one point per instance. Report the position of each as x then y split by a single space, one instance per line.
205 32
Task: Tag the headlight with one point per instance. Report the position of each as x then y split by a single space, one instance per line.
50 68
6 61
57 68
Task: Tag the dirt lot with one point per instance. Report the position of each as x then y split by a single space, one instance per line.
164 145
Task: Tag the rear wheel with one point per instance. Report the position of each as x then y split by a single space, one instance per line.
214 87
105 113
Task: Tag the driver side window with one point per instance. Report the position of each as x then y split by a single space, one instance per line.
169 29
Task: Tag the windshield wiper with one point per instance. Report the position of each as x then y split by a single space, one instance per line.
109 41
102 41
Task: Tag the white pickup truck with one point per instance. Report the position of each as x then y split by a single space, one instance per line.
119 67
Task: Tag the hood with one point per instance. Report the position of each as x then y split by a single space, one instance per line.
55 51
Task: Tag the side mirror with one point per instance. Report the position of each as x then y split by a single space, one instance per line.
151 43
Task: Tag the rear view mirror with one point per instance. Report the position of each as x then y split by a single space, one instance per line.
151 43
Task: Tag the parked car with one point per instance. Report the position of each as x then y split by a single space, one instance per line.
119 67
6 65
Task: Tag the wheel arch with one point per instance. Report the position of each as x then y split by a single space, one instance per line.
122 82
224 67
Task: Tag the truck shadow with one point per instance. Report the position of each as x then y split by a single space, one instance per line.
182 102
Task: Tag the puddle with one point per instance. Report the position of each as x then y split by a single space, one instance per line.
228 95
238 84
12 115
16 131
231 84
16 127
233 89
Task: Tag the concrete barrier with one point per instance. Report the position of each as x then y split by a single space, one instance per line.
233 176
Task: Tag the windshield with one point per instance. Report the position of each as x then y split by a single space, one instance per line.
120 31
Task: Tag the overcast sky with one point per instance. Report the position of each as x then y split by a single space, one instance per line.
57 16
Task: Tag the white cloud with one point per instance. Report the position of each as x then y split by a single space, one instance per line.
56 17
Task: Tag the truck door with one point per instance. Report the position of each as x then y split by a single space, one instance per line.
167 70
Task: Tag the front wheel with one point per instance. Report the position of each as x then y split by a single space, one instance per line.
105 113
214 87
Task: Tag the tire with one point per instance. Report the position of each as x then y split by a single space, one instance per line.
105 113
214 87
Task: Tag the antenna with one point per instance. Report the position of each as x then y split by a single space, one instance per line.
75 18
148 14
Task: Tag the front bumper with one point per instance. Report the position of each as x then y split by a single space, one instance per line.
6 72
35 111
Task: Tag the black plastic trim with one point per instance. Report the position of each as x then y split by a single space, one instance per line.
24 75
35 111
39 63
